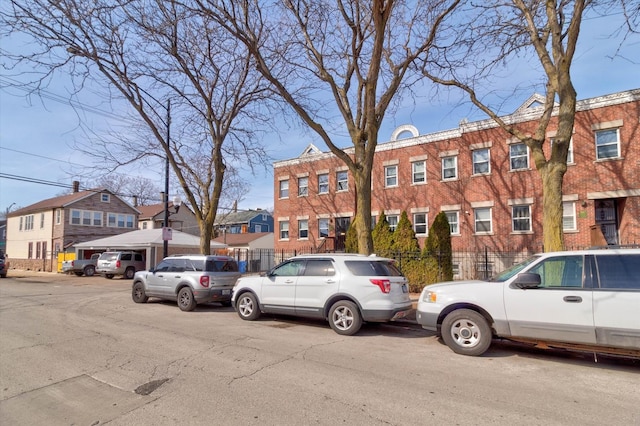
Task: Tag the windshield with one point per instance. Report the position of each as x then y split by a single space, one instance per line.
515 269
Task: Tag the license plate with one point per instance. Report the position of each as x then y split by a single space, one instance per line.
405 289
226 291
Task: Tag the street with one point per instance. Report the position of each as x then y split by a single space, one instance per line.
77 350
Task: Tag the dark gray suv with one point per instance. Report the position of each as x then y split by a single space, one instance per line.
189 280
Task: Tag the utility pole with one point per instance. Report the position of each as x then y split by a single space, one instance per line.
165 242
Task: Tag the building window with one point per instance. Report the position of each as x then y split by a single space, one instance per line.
323 183
44 249
303 186
607 144
41 220
284 230
454 222
393 221
482 219
144 225
323 227
521 218
418 172
480 159
449 168
390 176
38 250
28 223
105 198
519 156
20 229
303 229
455 268
30 251
569 216
58 216
120 220
283 191
342 179
86 218
420 223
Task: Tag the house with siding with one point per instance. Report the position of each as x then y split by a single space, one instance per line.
181 218
484 180
242 222
36 234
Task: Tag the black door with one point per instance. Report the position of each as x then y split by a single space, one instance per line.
342 225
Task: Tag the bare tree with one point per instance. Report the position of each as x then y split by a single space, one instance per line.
493 33
341 66
192 85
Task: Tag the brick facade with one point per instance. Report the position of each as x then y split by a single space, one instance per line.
601 196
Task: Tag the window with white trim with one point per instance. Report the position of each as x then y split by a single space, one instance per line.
418 172
453 217
391 176
38 246
569 216
86 218
283 189
115 220
41 221
28 222
420 223
323 183
284 229
323 227
482 220
105 198
480 159
450 168
342 181
58 216
303 229
521 218
393 221
303 186
519 156
607 144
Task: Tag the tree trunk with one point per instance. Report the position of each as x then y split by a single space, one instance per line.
362 217
552 234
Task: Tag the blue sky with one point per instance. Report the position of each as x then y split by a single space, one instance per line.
37 134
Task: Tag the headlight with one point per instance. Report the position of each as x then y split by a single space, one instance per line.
429 297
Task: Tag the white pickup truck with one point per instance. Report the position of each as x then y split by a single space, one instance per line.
81 266
585 300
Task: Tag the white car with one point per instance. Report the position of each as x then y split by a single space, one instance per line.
345 289
585 300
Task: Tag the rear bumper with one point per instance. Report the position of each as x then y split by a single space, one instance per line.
384 315
213 295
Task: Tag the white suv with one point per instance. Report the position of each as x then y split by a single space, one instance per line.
345 289
585 300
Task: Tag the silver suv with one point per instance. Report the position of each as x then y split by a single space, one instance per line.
124 263
189 280
345 289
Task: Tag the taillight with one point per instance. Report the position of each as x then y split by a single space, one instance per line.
385 285
204 281
73 263
117 263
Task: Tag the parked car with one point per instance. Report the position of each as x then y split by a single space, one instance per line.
4 265
189 280
124 263
81 266
586 300
343 289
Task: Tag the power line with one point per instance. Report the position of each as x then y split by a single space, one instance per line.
42 156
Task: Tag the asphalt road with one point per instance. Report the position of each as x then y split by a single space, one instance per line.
78 351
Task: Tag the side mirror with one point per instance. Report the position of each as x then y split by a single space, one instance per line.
527 280
152 270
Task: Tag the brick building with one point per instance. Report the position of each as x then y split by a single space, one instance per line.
483 179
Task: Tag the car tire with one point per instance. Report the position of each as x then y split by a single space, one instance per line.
78 274
129 273
466 332
108 276
138 294
247 307
344 318
89 271
186 301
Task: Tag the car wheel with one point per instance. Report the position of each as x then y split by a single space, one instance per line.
89 271
186 301
78 274
248 308
129 273
137 293
345 318
108 276
466 332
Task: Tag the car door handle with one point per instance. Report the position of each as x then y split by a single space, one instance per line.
572 299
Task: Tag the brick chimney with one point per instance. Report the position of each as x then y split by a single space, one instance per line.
76 186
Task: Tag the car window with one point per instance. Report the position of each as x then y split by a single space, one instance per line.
373 267
319 268
288 269
221 265
163 266
562 271
177 265
125 256
109 256
138 257
198 264
619 272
